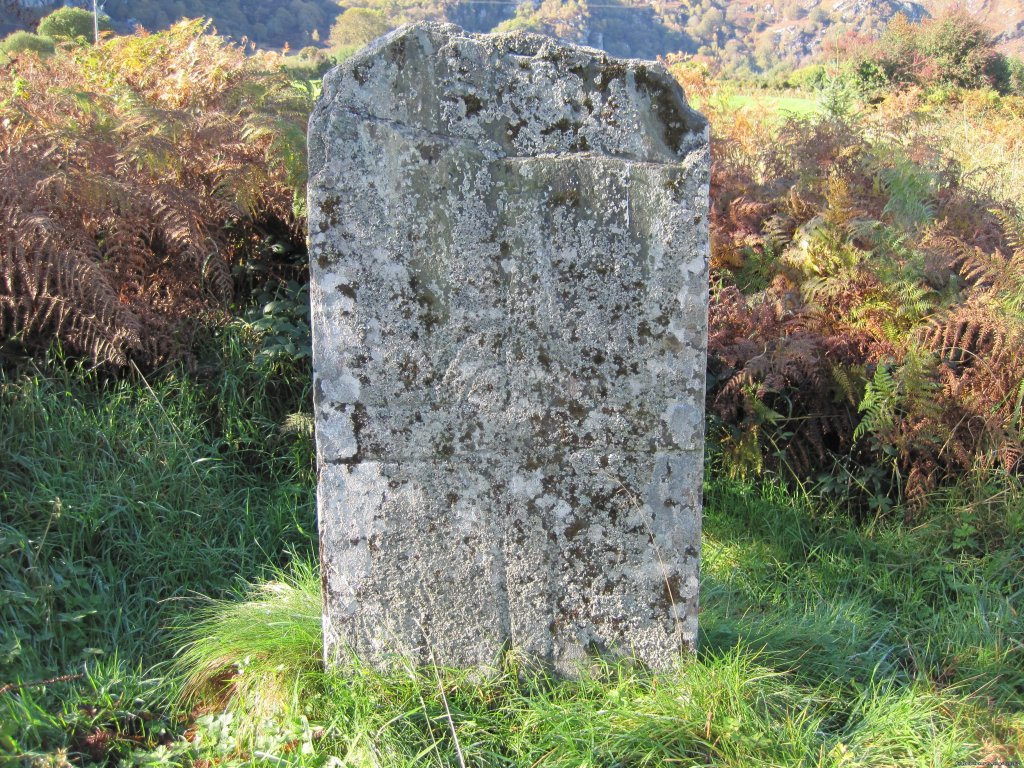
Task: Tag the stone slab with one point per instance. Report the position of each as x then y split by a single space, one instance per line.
509 244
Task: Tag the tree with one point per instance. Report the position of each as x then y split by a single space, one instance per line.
961 48
71 24
358 26
710 23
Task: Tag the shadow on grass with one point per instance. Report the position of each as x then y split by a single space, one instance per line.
829 601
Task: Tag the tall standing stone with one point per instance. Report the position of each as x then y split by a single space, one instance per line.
509 242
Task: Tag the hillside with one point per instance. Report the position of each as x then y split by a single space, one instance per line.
739 34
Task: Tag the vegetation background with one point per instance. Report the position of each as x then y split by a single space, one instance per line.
863 579
740 37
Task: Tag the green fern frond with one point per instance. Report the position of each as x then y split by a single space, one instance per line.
911 189
1013 227
878 405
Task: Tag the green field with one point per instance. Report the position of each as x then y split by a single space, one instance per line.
777 103
793 105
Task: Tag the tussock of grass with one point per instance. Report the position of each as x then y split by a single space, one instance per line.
730 711
247 653
733 706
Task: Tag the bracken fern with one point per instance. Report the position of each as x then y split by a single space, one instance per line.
122 164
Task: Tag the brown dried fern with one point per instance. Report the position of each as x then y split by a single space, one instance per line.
122 164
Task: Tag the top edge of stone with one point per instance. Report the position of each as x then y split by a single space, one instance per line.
515 94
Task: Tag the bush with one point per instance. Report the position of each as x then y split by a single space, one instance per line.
26 42
1015 76
72 24
951 51
960 49
308 64
868 78
810 78
137 175
867 299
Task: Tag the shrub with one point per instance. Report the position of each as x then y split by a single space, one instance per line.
952 50
26 42
960 48
1015 76
72 24
812 78
866 303
869 78
866 313
137 174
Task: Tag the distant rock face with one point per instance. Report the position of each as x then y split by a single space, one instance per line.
509 244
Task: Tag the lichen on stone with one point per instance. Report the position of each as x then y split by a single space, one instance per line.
508 244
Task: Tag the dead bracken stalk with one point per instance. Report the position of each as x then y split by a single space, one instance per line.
8 687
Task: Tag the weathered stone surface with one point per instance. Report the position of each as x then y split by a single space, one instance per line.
509 284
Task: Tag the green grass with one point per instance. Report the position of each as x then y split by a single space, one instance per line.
794 105
772 102
823 642
731 705
121 506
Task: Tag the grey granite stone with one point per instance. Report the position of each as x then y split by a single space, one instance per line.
509 243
